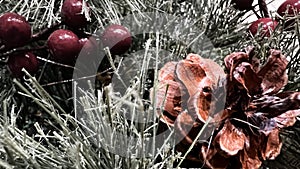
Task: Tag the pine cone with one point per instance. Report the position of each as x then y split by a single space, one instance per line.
247 126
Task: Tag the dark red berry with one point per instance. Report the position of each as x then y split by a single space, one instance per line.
28 61
242 4
72 13
15 31
64 46
289 8
264 25
88 46
117 38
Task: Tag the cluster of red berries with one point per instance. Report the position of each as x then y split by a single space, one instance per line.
63 45
264 26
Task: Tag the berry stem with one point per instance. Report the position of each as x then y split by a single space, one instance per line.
45 32
81 33
257 15
21 50
263 8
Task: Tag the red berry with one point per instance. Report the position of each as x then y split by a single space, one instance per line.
289 7
64 46
28 61
72 14
242 4
264 25
117 38
88 46
15 31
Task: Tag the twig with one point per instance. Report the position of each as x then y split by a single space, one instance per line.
256 14
44 32
21 50
263 8
195 141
